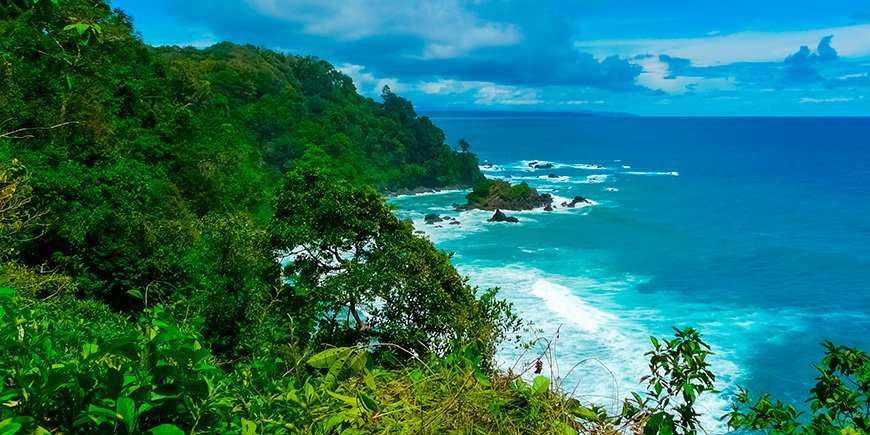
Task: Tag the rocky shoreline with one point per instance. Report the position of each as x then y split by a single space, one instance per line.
492 195
419 190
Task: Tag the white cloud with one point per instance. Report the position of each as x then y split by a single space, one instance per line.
722 49
366 83
448 28
826 100
508 95
657 75
450 87
581 102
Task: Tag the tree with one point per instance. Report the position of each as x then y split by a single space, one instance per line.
464 145
17 216
363 274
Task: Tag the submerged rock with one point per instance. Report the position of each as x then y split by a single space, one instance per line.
552 175
454 223
499 216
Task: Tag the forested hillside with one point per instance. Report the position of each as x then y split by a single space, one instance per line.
193 241
137 154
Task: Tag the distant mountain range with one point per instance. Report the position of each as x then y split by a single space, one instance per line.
443 113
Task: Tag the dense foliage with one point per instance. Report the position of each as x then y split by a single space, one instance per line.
73 366
155 169
192 241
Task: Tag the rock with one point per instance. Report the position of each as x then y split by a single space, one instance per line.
564 204
544 166
552 176
496 194
548 208
577 200
499 216
454 223
432 218
533 163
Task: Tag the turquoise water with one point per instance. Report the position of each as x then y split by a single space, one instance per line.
754 230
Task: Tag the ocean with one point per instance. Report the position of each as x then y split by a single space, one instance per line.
755 231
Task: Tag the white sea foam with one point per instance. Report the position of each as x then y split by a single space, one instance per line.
597 178
673 173
606 341
560 301
607 350
529 165
611 189
434 192
491 168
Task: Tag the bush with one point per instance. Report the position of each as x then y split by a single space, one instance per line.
839 402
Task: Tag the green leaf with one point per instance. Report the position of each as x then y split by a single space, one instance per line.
367 402
587 414
9 428
660 423
370 381
690 391
136 294
248 427
328 357
126 408
7 293
416 375
540 385
166 429
123 346
481 378
81 27
358 362
350 401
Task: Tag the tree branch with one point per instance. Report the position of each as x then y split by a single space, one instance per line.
10 134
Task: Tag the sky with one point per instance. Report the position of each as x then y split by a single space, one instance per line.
673 58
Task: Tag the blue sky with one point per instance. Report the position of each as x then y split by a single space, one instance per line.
738 57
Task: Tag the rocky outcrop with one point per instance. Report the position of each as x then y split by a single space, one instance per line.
432 218
499 216
496 194
540 165
577 200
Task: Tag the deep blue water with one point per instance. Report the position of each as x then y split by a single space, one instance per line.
754 230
